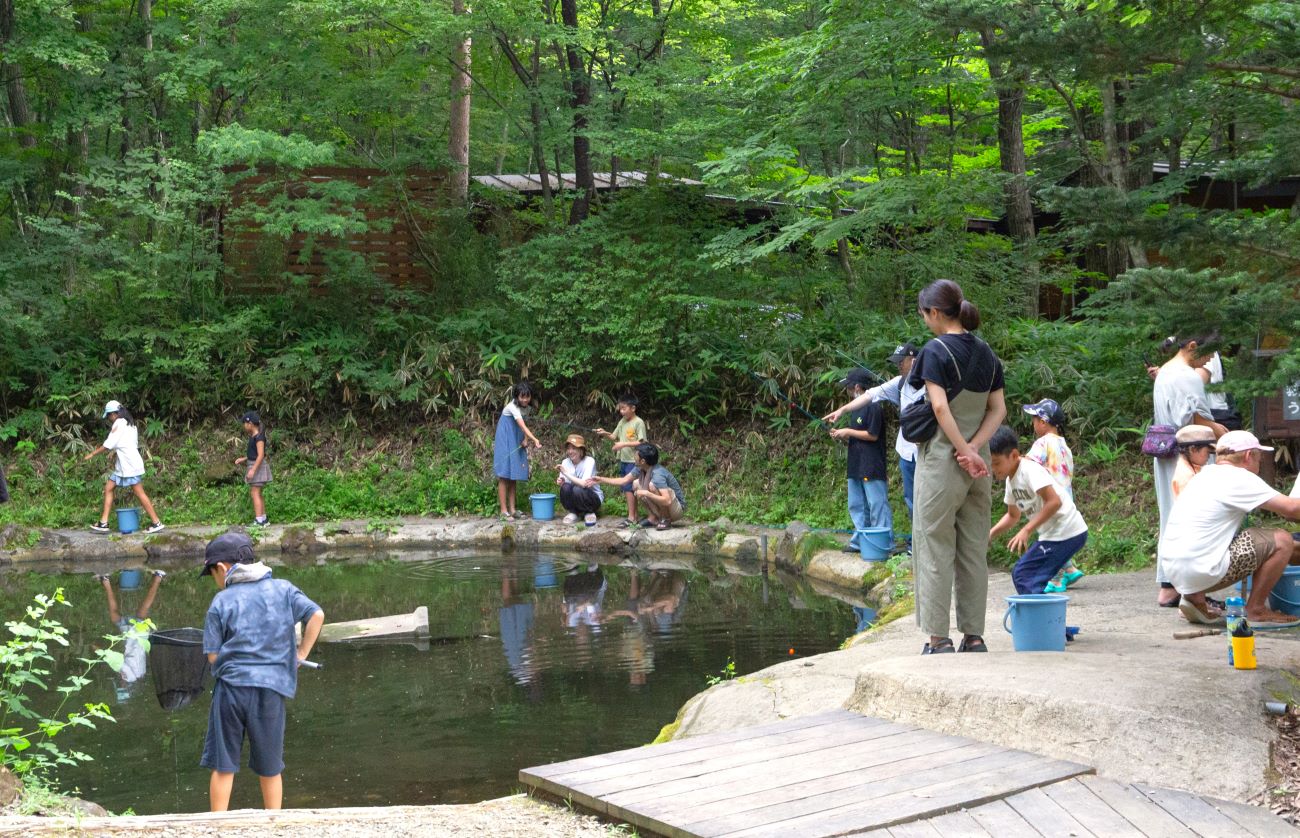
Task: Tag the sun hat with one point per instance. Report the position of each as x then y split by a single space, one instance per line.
903 350
111 407
1047 410
1189 434
1235 442
576 441
857 378
229 547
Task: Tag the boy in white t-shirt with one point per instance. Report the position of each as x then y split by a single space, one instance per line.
1033 493
1203 547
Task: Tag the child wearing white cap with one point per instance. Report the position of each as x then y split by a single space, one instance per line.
128 466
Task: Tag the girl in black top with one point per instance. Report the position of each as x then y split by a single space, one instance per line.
259 465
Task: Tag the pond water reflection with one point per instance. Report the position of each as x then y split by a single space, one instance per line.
533 659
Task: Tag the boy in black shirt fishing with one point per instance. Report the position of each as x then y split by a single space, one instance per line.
868 488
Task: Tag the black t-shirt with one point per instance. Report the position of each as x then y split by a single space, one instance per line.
252 446
867 459
977 369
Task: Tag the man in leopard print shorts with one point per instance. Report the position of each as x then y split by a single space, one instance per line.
1204 547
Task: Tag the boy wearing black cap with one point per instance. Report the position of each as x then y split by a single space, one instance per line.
868 489
248 636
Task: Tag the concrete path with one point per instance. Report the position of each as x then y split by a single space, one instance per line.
1125 697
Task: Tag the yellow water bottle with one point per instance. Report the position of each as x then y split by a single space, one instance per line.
1243 645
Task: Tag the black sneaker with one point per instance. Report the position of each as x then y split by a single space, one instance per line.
101 526
158 527
261 522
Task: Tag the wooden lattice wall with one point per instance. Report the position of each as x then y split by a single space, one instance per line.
397 209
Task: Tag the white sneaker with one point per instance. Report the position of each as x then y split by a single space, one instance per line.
570 518
158 527
99 526
590 519
161 574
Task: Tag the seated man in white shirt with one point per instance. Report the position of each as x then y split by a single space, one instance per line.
1204 548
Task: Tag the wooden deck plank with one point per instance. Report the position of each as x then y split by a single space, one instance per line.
707 740
1046 815
767 776
1197 814
1136 808
1000 820
828 793
654 780
1255 820
916 829
861 779
961 786
957 824
1090 810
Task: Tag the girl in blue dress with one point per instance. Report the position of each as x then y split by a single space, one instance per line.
510 449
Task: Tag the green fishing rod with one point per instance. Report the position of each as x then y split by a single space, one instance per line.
879 378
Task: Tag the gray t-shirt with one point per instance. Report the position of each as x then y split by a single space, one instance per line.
250 629
661 477
1178 395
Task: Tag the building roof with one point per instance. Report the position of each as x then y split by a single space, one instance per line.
529 184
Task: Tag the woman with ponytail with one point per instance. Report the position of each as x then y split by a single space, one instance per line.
962 378
1179 399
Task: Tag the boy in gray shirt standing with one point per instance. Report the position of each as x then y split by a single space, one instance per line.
248 636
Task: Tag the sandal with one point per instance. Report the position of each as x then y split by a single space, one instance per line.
977 645
1172 603
662 525
942 647
627 522
1199 617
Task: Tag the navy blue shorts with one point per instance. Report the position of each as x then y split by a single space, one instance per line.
624 469
238 712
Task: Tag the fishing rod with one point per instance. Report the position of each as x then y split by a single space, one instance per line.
563 423
768 384
879 378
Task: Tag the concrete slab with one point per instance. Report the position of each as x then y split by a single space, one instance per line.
413 626
1125 697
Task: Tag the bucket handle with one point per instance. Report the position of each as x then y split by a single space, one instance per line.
1007 616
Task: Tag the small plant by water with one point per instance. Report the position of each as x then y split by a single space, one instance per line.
727 673
27 736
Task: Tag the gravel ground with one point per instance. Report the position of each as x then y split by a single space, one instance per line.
509 817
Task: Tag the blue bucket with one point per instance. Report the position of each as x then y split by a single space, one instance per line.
129 580
875 543
1286 593
543 506
1037 622
128 521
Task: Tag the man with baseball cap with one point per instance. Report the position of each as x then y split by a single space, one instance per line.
1203 547
898 391
248 636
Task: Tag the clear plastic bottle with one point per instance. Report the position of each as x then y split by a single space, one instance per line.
1235 610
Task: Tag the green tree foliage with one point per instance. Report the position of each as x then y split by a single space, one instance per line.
863 147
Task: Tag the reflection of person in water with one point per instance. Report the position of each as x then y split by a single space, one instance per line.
133 653
651 612
584 597
517 617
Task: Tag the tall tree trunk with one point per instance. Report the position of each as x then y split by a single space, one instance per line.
580 100
1009 82
842 252
20 112
1115 164
535 116
458 135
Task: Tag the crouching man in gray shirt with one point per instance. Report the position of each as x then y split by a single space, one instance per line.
248 636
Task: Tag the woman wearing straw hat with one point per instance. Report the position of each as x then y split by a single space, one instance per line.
575 468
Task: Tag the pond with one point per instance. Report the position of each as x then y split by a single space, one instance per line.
534 659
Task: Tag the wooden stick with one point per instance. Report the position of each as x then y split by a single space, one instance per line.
1188 634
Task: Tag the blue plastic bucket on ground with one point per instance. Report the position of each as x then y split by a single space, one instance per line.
1037 622
128 521
874 543
129 580
543 506
1286 593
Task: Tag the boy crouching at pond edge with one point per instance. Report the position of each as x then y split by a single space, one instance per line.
248 636
1032 491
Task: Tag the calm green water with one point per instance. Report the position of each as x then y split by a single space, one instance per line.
539 659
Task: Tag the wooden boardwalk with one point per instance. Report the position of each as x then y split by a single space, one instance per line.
840 773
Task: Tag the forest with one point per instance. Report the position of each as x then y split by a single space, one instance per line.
1056 158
